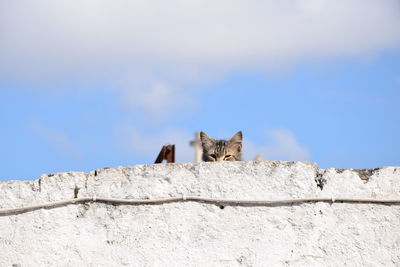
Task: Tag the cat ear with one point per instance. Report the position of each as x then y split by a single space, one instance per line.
236 140
206 141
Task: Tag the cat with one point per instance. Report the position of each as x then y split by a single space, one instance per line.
221 150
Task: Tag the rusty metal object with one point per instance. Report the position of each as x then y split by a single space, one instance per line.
167 153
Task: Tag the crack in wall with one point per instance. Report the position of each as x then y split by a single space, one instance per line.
40 184
364 174
76 191
319 178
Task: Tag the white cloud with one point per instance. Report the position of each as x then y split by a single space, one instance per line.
57 139
159 99
152 50
136 142
282 145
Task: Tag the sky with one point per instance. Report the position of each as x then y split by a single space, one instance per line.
92 84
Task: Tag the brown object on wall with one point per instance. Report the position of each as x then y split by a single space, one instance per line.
167 153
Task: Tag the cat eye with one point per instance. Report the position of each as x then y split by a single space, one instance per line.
213 156
227 156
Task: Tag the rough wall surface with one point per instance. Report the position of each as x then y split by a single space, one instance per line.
196 234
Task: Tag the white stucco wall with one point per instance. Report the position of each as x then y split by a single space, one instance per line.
197 234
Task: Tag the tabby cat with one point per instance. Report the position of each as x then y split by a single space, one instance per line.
221 150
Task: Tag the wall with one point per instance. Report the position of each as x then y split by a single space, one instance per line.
197 234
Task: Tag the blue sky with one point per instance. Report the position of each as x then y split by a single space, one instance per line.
85 85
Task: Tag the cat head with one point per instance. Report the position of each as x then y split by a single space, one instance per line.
221 150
